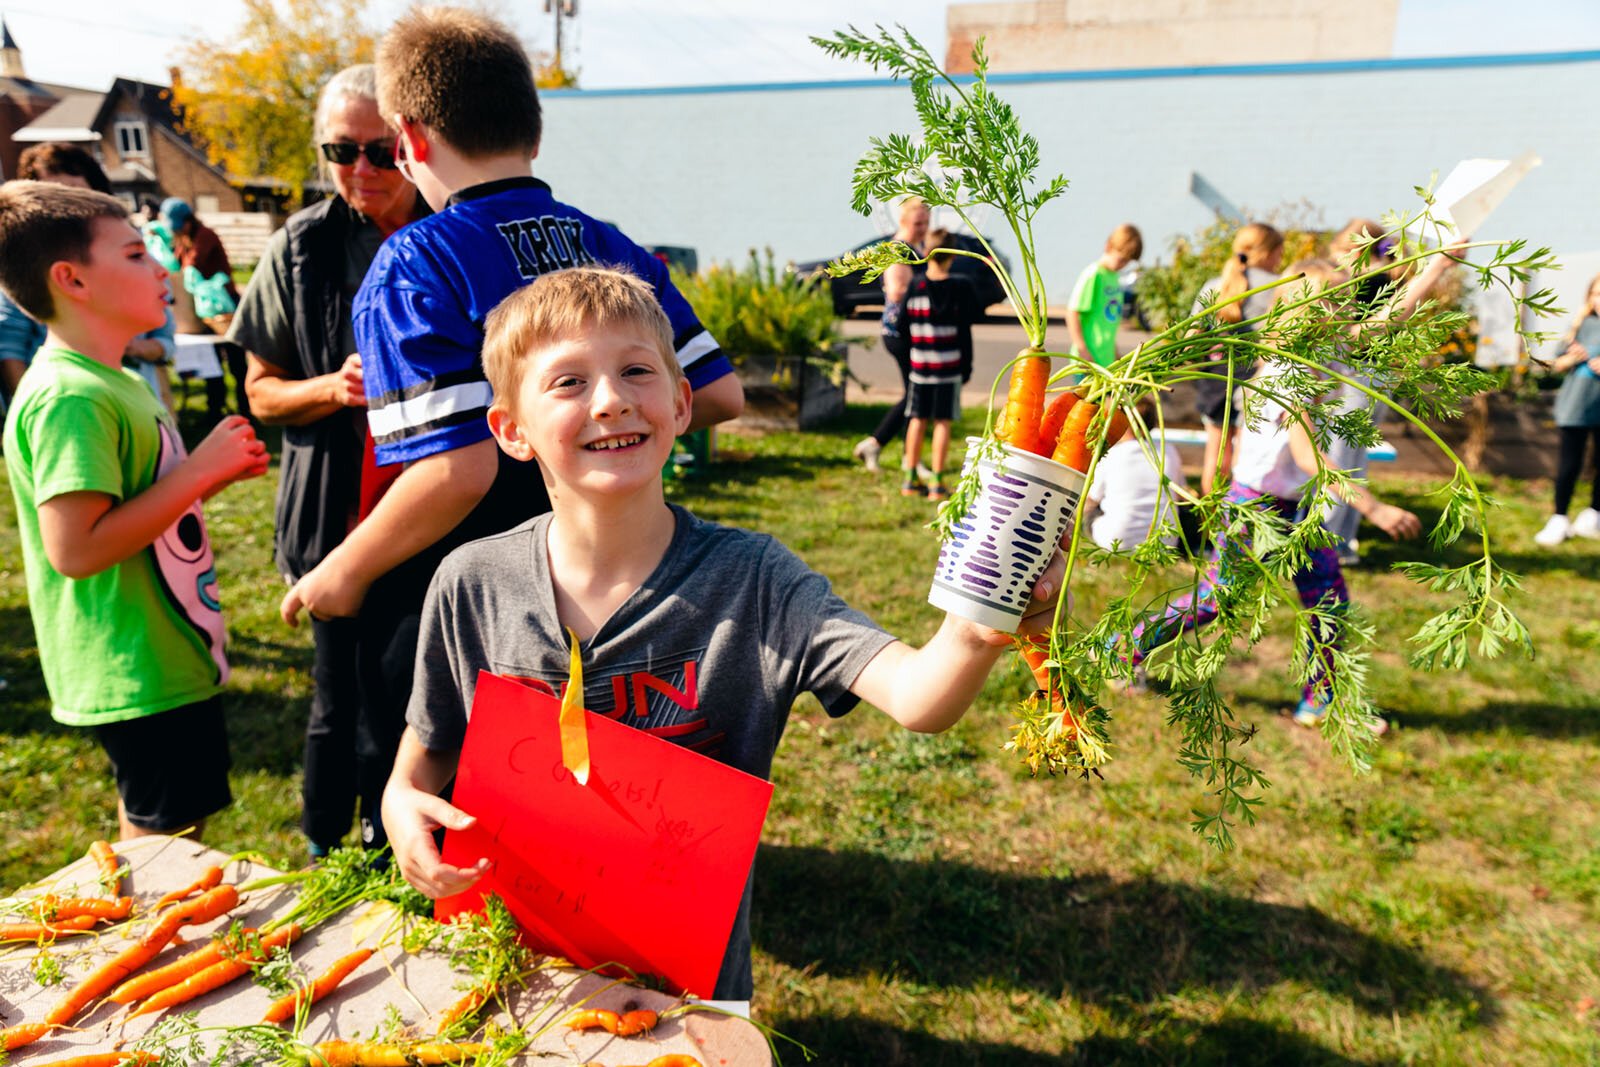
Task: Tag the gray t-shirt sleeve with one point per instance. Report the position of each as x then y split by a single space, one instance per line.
818 642
440 696
263 323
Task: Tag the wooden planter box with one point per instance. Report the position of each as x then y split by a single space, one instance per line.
787 393
1499 433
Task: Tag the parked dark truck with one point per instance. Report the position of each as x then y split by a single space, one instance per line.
851 291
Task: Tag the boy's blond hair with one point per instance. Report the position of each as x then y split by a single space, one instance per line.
463 75
1126 240
42 224
563 305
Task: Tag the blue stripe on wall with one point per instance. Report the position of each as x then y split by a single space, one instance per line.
1340 66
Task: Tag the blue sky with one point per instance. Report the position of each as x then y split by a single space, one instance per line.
635 43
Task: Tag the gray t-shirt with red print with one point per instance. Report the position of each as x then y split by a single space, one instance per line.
709 653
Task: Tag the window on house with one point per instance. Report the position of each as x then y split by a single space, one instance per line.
131 139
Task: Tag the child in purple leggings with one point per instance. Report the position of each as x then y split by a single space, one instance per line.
1273 460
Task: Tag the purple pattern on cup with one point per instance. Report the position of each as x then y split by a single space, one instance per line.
999 549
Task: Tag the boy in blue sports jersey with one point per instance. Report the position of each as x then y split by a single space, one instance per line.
458 88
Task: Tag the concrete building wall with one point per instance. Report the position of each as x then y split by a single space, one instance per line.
1107 34
727 170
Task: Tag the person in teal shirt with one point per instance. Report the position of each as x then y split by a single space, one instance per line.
1095 310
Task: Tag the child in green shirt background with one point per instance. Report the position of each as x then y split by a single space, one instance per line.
1095 309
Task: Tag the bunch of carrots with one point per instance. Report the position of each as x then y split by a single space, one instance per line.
212 966
1059 431
50 917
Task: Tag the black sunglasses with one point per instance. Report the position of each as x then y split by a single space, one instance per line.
378 153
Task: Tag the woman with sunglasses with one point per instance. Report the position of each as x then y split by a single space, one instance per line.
304 375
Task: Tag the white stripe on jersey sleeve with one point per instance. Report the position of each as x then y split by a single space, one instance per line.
695 347
421 410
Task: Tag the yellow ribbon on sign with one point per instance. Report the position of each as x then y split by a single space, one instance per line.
574 737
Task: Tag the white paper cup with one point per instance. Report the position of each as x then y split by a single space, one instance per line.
1000 548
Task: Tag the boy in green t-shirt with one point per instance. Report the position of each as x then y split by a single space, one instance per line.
121 583
1095 310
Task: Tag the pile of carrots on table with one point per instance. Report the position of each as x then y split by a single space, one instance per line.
1057 430
219 962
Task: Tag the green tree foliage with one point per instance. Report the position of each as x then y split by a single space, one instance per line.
249 101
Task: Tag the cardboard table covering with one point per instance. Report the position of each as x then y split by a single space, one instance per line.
419 987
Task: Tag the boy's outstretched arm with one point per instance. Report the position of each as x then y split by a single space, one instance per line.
413 810
928 689
87 532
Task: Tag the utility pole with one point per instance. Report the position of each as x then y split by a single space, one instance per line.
562 9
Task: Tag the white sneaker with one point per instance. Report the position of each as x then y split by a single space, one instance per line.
1587 524
866 451
1557 530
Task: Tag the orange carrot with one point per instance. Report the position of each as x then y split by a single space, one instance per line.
216 902
14 1037
55 909
1055 413
210 880
1116 427
205 907
110 867
284 1008
466 1006
675 1059
1035 653
1073 446
594 1019
636 1022
103 1059
217 974
380 1054
1019 420
152 982
32 931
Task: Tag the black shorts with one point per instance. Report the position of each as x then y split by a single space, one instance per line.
171 767
934 400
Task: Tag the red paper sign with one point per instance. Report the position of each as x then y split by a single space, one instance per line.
644 866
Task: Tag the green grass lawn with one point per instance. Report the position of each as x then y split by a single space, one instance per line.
920 900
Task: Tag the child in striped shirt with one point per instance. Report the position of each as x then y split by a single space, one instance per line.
939 312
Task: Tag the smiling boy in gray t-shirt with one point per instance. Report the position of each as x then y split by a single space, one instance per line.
701 634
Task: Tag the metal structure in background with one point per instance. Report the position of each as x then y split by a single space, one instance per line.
562 9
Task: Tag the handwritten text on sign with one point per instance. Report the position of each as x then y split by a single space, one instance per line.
644 866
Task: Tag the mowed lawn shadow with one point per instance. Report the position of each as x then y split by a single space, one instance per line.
856 1042
1516 552
1556 721
1100 939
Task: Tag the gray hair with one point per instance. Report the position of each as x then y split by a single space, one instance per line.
359 81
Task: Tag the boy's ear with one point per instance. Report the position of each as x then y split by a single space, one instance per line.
683 406
508 434
416 137
66 277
